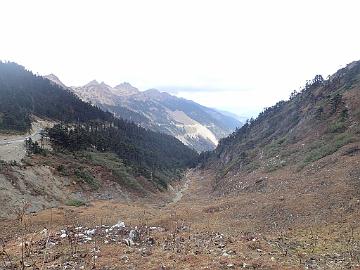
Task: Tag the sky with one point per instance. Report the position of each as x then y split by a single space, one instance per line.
239 56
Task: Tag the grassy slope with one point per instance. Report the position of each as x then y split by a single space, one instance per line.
296 166
294 134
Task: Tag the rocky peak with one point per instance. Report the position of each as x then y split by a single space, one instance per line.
125 89
92 83
156 94
52 77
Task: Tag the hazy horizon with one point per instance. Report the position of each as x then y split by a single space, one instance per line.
227 55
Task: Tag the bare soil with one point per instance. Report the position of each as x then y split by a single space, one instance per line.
196 230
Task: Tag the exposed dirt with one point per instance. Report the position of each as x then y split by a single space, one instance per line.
181 189
57 179
195 231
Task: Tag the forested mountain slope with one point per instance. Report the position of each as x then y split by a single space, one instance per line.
23 94
157 157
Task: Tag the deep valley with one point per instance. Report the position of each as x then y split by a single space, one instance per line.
81 188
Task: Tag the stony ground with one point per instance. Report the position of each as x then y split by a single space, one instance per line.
194 231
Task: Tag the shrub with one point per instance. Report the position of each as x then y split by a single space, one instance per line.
122 173
2 164
337 127
33 147
273 166
86 177
75 202
328 148
252 166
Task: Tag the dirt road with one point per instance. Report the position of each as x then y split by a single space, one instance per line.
12 147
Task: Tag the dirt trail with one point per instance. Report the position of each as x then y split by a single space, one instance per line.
195 188
180 193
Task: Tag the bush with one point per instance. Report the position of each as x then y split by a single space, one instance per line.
75 202
87 178
123 174
273 166
14 163
328 148
33 147
252 166
337 127
2 164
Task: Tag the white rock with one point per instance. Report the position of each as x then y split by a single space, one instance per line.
129 242
90 232
119 224
134 235
225 254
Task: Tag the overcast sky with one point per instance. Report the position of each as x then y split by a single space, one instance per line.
236 55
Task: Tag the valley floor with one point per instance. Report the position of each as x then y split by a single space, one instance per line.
194 231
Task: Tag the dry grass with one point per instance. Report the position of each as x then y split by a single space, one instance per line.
198 232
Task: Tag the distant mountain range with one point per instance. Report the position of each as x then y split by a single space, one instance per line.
195 125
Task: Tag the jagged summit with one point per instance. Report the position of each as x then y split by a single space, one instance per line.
95 92
52 77
156 94
93 82
152 91
124 85
96 83
125 89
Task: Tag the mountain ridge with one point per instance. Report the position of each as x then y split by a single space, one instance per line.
159 111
